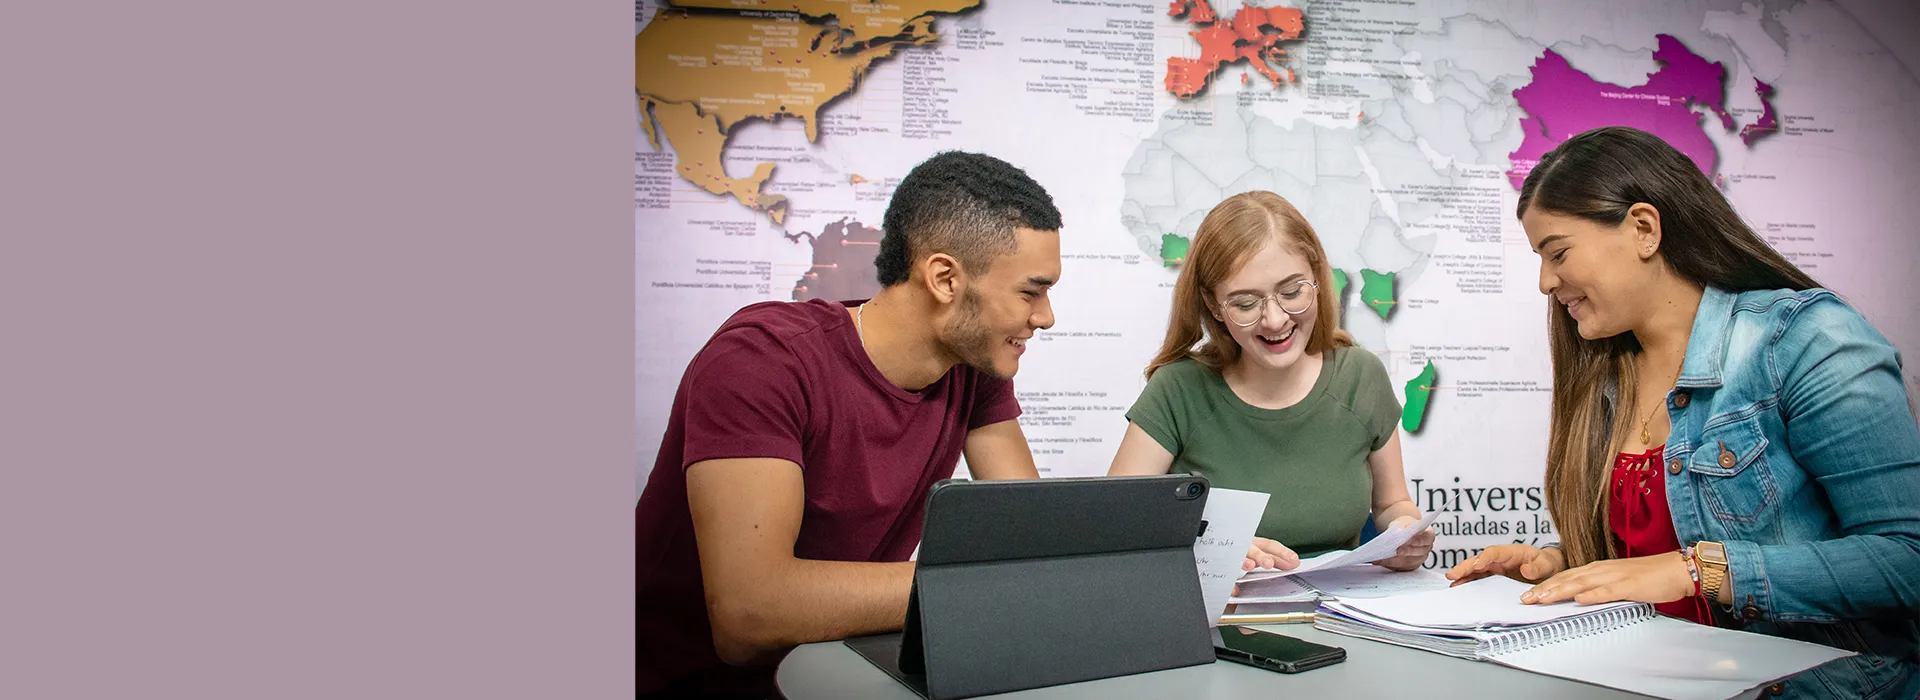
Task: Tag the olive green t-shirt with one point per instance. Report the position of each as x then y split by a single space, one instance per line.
1311 457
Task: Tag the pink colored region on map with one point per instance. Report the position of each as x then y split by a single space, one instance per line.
1561 101
1244 38
1769 122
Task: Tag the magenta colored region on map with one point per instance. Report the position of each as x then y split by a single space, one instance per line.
1561 101
1769 122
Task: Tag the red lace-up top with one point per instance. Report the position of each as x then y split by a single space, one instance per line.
1637 514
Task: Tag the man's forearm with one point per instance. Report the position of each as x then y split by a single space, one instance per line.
797 601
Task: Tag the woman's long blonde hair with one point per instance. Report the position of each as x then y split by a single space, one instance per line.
1597 176
1232 233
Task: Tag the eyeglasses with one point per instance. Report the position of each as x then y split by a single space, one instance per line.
1246 309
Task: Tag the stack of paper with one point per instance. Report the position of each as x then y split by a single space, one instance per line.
1278 590
1617 645
1473 621
1341 583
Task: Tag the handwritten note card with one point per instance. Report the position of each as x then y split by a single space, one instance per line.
1231 518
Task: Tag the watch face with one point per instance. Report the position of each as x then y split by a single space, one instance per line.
1711 552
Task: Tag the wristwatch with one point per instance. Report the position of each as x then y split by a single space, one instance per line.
1711 557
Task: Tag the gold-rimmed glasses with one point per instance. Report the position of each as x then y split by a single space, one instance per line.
1246 309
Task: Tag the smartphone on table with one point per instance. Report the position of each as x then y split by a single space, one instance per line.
1271 650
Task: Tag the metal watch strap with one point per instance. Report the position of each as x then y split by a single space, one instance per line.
1713 575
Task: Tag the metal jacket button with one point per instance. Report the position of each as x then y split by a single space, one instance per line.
1674 466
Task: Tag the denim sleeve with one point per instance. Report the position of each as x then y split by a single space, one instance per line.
1849 426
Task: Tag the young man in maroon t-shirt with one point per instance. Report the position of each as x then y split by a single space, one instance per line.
792 481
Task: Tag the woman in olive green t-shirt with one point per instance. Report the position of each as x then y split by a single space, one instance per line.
1257 389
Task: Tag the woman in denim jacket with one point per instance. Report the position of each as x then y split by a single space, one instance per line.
1777 487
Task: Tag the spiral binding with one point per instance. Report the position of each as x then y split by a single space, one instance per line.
1568 628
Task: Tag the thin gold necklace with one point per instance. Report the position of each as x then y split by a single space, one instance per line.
1646 438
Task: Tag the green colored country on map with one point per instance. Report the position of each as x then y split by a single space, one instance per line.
1376 289
1418 391
1173 249
1339 285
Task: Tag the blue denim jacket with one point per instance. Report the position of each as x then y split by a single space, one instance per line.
1794 445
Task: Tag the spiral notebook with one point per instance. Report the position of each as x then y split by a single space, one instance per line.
1626 646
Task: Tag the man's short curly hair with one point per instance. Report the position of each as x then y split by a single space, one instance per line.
966 205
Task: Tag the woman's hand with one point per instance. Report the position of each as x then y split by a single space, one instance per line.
1413 552
1661 578
1268 554
1523 562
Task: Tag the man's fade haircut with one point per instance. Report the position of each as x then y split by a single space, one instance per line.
966 205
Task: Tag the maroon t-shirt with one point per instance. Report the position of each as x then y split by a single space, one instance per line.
791 381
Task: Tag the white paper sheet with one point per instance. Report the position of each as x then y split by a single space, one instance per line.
1231 517
1671 658
1489 603
1368 581
1380 547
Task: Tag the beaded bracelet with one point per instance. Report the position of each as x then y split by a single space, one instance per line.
1693 571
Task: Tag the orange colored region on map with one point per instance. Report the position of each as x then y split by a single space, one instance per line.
1197 11
699 140
704 74
864 20
740 68
1245 38
700 74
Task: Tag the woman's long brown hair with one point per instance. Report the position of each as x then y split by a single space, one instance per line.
1597 176
1232 233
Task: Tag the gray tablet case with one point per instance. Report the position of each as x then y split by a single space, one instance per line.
1032 583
